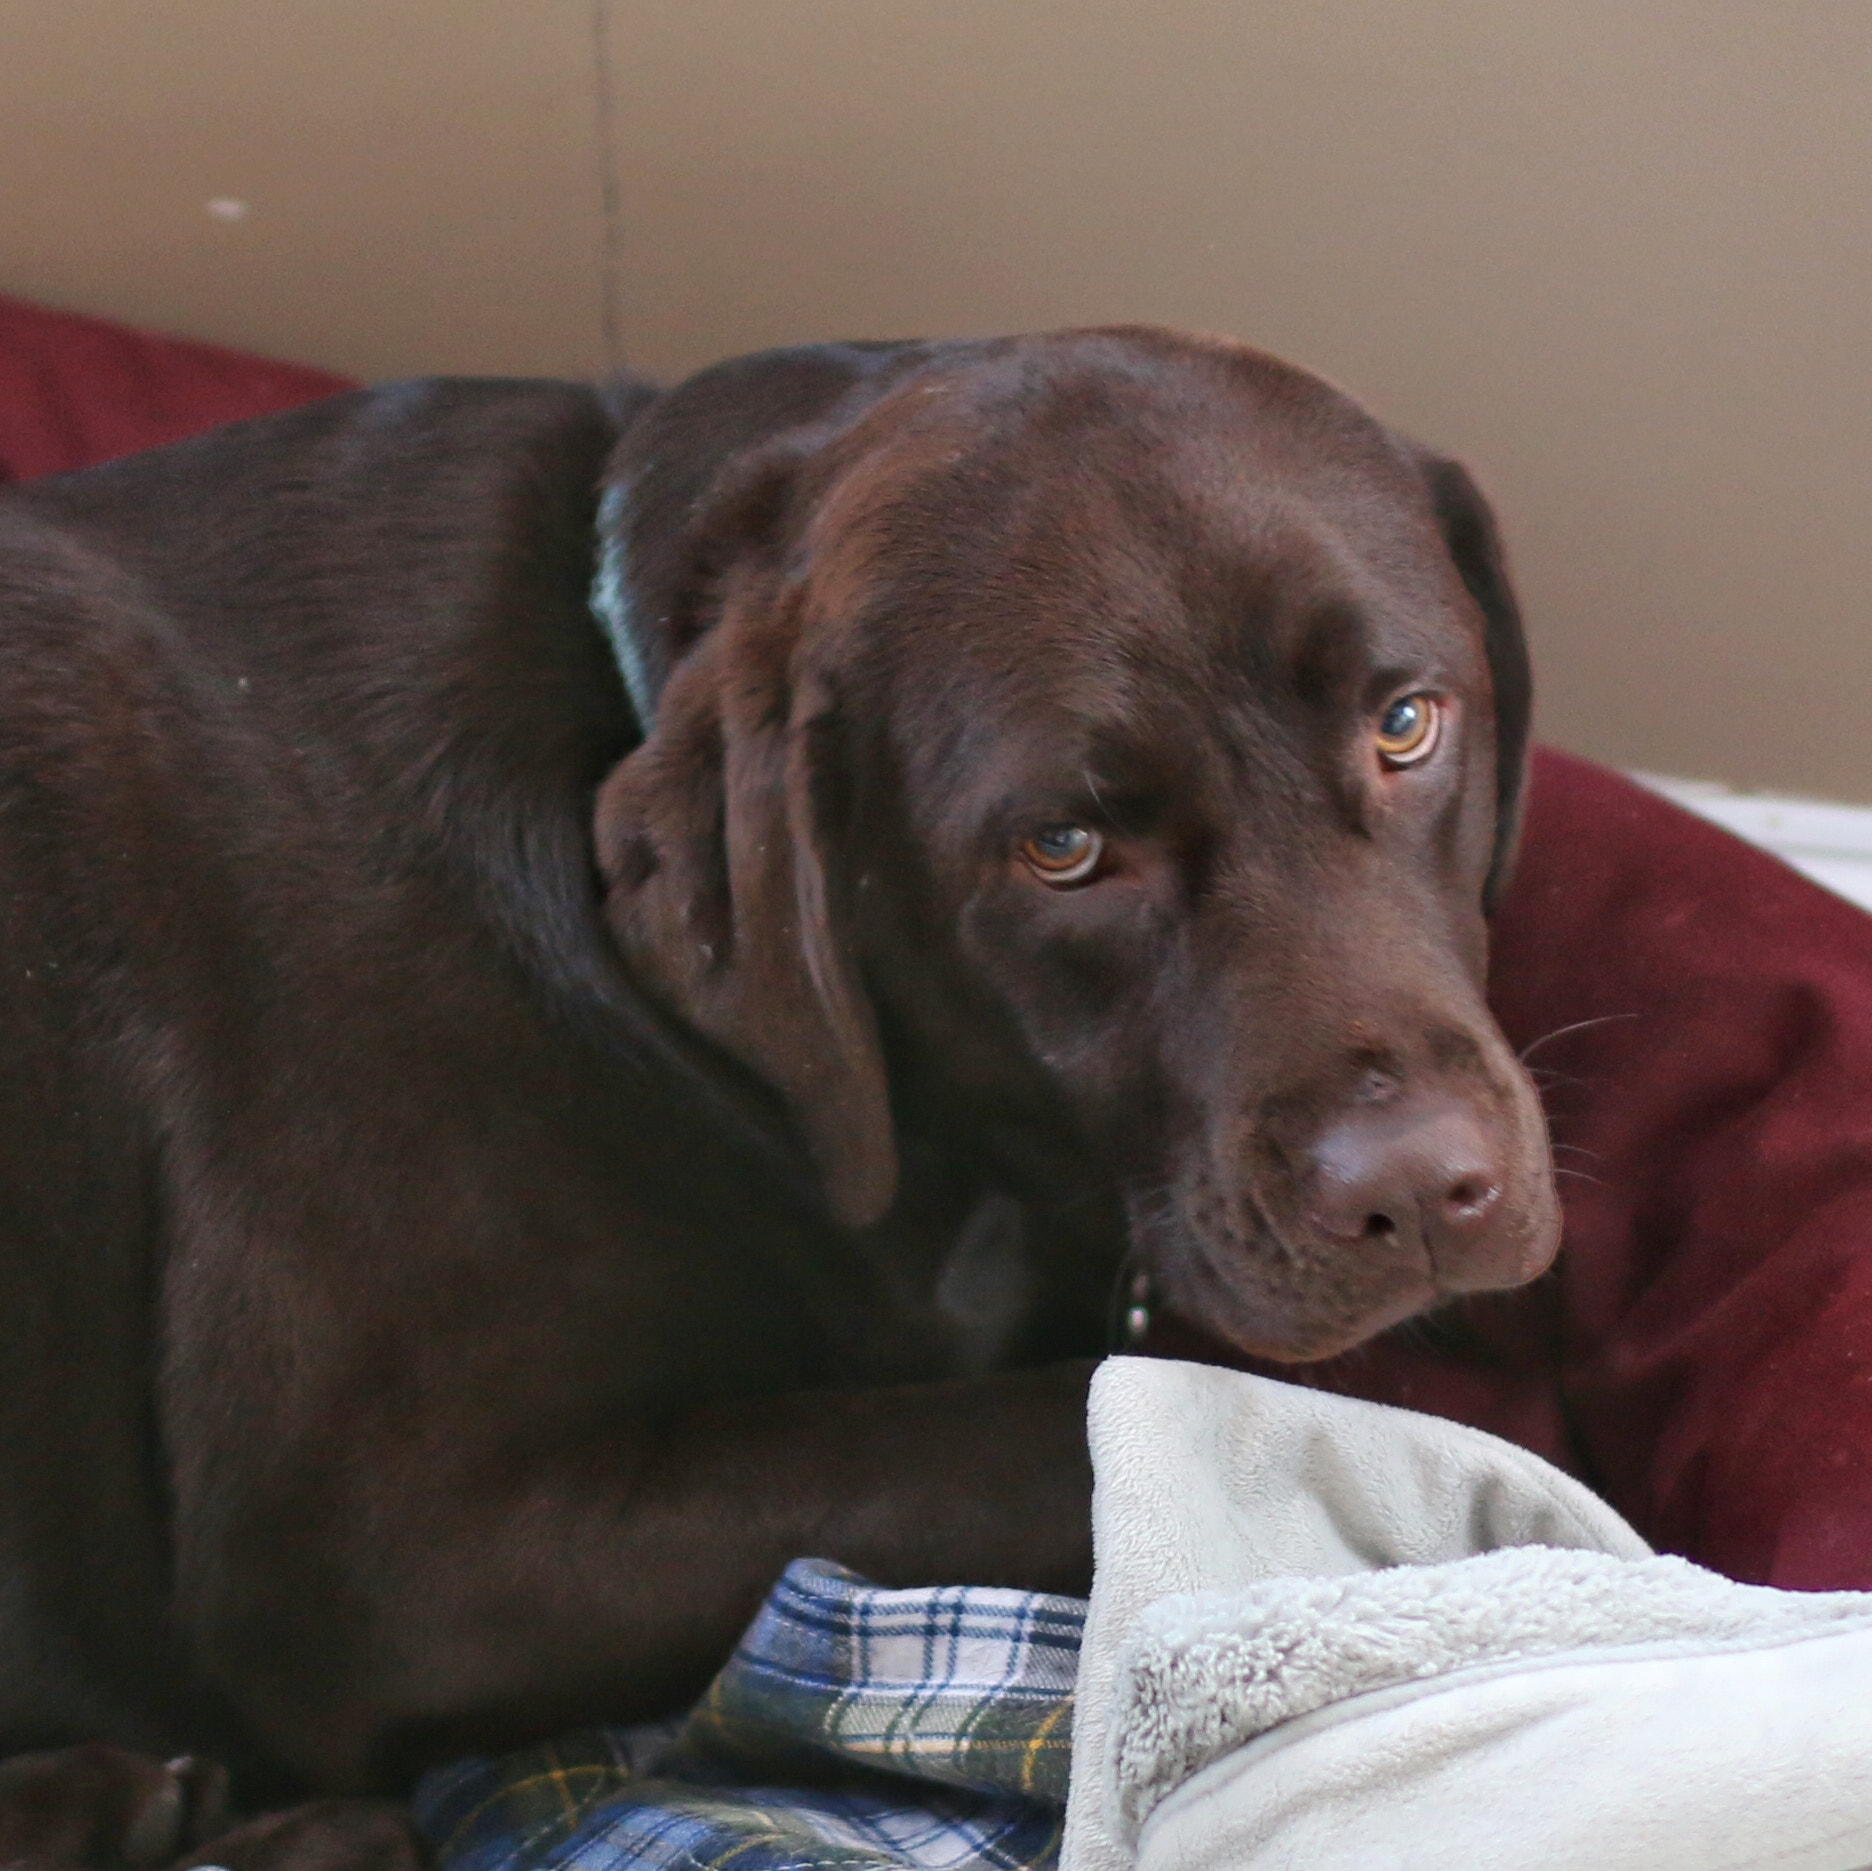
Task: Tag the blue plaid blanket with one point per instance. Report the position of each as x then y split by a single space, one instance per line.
853 1727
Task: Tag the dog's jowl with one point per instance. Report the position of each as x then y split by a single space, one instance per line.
603 992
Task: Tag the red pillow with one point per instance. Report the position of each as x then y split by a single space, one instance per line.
76 390
1711 1324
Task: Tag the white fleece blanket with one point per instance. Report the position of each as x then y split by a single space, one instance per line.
1330 1636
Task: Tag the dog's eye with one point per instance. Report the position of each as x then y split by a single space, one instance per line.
1408 730
1062 854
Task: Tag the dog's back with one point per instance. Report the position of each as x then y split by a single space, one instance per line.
303 985
208 653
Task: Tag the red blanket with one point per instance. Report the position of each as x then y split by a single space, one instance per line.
78 390
1701 1018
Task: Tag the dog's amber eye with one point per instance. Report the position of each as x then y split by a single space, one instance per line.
1062 854
1408 730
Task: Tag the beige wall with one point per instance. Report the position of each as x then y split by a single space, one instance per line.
1616 252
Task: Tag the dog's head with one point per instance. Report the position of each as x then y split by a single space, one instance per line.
1108 742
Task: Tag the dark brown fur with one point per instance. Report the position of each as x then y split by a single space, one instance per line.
479 1194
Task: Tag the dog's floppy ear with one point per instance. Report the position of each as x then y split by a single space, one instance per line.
719 837
713 838
1474 542
690 454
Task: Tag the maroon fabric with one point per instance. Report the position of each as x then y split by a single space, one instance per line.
77 390
1714 1342
1701 1019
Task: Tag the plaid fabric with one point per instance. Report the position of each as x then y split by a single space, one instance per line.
853 1727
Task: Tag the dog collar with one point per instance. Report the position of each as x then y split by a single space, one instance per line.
610 603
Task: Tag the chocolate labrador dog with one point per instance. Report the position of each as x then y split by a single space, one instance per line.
598 995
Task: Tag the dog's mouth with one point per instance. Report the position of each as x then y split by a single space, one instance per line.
1260 1301
1279 1281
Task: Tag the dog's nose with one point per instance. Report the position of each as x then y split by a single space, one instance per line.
1421 1175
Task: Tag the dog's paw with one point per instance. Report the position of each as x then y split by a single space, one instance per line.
105 1808
322 1835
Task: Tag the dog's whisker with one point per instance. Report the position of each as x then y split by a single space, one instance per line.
1580 1175
1577 1026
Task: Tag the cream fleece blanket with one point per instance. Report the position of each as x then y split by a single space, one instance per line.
1330 1636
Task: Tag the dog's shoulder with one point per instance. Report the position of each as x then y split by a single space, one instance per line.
443 455
357 626
403 528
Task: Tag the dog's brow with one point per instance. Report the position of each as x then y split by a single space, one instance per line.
1333 652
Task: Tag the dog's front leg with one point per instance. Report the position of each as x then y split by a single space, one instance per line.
100 1808
440 1605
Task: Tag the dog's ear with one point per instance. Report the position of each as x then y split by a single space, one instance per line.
1474 541
719 837
692 453
715 840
